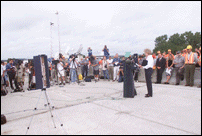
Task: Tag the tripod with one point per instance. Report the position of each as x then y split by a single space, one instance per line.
76 73
51 107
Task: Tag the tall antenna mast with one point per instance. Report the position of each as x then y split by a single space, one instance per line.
51 42
58 31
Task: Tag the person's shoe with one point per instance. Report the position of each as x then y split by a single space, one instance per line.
182 78
108 79
63 83
177 84
12 88
191 85
148 95
199 86
113 81
187 85
60 84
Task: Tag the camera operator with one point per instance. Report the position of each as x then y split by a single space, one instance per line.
11 71
31 71
73 67
95 65
61 72
85 63
20 74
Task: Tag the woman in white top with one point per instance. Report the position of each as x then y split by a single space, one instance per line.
148 71
105 66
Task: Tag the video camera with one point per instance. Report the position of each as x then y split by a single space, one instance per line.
73 55
17 63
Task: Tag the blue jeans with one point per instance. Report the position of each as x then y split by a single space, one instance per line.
105 72
73 75
107 56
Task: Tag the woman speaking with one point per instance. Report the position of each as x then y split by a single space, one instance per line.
148 65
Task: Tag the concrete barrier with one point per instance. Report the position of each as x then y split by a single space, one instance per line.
197 77
141 76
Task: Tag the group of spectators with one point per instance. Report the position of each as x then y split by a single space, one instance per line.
184 63
64 70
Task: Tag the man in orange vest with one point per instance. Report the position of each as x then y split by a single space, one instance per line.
190 62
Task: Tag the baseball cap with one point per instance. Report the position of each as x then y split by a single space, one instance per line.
178 52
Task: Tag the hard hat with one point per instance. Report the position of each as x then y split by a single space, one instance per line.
169 49
189 47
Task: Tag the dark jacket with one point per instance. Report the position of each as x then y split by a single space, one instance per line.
161 63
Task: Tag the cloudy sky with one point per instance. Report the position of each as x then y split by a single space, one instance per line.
128 26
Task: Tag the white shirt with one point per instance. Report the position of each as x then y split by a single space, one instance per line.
110 62
103 64
150 63
59 66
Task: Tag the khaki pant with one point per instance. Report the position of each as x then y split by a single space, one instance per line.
189 71
179 74
111 72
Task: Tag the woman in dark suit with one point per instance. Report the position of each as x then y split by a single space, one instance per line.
148 66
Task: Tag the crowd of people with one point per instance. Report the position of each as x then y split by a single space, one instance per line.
65 70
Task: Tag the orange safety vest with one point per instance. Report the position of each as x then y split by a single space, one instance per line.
191 59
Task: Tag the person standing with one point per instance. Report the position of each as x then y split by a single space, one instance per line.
106 52
111 67
116 61
105 66
199 62
85 63
160 65
148 71
179 62
73 67
169 65
11 71
190 64
95 65
61 72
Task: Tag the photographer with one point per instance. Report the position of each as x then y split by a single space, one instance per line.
11 71
31 71
61 72
95 65
106 52
73 67
20 74
85 63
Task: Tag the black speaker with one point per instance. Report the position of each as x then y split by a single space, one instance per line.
41 72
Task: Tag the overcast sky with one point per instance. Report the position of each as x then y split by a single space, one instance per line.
129 26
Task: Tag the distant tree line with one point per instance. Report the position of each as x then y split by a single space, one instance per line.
177 42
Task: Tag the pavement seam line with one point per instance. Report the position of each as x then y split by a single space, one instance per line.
147 119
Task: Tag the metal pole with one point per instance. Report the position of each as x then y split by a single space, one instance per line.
51 39
58 31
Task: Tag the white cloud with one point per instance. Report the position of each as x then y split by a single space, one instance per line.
121 25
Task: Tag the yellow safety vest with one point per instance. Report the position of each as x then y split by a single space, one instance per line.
191 59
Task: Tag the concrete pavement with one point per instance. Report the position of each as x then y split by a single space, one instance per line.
100 109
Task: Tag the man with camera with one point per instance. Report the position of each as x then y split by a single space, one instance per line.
11 71
61 72
84 64
20 74
73 67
